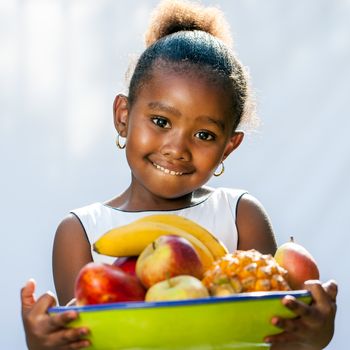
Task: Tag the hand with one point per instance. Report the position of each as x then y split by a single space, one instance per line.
44 332
313 327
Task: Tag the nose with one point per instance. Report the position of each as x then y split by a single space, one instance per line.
176 146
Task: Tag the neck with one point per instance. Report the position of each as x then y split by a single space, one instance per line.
137 200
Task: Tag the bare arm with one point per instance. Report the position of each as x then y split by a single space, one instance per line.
71 251
254 226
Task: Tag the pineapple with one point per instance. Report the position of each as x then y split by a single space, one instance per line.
245 271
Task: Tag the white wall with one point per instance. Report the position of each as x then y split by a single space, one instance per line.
62 62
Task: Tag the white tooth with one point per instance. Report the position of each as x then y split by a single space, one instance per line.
167 171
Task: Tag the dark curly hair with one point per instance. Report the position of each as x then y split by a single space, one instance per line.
184 37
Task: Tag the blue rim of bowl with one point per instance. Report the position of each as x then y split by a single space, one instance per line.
199 301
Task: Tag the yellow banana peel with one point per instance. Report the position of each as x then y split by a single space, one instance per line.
216 247
132 239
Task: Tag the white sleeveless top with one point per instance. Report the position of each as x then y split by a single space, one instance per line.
217 213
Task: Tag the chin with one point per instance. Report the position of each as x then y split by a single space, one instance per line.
168 187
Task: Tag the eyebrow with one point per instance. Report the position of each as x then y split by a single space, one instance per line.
212 120
165 108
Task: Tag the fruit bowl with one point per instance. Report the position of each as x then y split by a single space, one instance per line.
239 321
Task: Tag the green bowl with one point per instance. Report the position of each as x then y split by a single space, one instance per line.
234 322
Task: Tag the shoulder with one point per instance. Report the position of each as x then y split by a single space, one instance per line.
70 243
250 207
69 221
254 225
70 228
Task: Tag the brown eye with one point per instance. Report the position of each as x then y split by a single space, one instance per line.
205 136
161 122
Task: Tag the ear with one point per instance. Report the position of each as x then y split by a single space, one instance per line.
235 140
121 114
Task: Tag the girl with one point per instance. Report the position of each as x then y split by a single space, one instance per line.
187 97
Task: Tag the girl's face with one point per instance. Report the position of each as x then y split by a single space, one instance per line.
178 131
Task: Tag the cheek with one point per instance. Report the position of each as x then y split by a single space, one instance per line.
139 138
207 159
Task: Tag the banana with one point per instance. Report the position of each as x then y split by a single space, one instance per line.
131 239
216 247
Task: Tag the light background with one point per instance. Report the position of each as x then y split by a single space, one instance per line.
61 64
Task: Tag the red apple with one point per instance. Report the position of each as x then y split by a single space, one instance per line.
166 257
99 283
177 288
299 263
127 264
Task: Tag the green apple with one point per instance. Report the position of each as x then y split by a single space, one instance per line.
177 288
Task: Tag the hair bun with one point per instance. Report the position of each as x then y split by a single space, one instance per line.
172 16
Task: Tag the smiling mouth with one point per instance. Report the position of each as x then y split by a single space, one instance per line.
167 171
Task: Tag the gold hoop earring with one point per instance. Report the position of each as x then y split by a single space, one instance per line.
221 171
119 145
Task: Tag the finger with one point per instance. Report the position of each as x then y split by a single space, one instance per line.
65 337
319 294
298 307
44 302
331 288
61 320
78 345
280 338
290 325
27 296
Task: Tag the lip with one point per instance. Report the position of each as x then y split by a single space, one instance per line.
170 169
